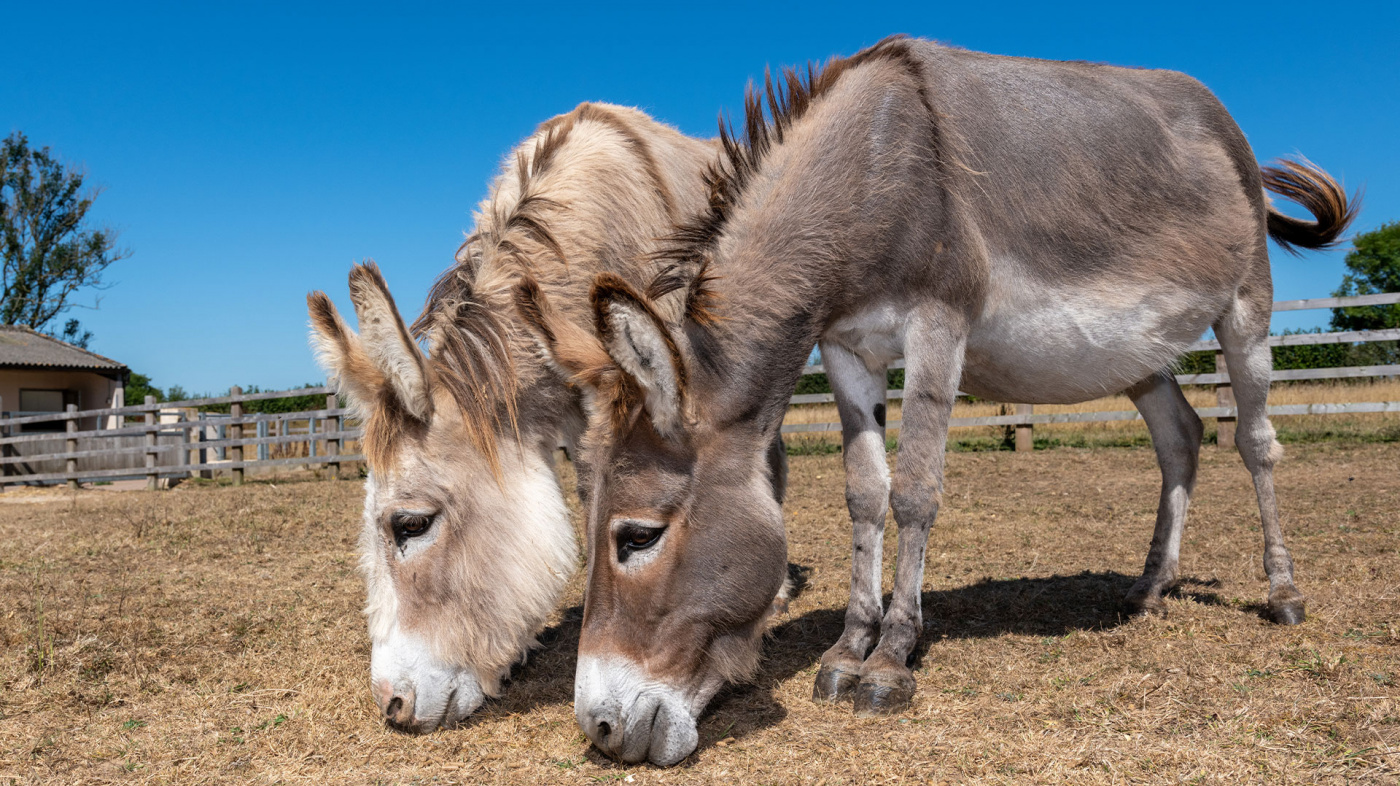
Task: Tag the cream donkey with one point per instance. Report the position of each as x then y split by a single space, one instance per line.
466 541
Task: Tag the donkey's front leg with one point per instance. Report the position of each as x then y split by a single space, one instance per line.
934 354
860 398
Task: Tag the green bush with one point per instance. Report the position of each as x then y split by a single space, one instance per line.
270 405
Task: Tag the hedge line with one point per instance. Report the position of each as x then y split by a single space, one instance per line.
1380 353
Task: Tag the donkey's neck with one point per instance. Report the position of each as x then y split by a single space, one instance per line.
773 272
842 213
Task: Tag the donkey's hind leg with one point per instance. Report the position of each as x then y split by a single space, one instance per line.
1244 334
1176 436
860 398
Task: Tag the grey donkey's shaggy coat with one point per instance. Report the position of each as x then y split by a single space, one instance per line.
1026 230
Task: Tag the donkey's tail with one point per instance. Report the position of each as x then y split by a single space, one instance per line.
1305 183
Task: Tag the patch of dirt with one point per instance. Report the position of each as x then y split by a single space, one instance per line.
213 634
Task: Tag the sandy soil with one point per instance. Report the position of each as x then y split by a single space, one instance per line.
213 634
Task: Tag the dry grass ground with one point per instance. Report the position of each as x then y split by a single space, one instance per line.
213 634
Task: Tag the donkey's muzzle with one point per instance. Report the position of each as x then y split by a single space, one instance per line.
415 692
603 726
397 707
630 717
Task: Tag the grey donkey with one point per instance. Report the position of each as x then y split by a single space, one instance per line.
1026 230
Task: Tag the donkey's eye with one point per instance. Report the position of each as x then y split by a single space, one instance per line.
641 538
410 525
635 537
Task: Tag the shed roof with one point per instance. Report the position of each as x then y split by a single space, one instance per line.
23 347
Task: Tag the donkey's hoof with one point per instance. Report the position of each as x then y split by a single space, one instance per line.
1290 612
834 684
882 698
1145 605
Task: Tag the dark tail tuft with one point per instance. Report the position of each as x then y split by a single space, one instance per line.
1303 182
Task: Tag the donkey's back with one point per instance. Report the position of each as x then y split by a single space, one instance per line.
1120 213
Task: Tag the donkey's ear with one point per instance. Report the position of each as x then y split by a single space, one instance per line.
636 338
573 351
340 353
386 340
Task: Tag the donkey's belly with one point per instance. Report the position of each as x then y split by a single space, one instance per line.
1060 345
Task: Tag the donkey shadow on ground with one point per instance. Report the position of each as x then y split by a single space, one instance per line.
545 678
1041 606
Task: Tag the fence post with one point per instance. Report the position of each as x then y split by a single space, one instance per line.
333 445
4 432
262 446
202 452
118 401
182 456
236 432
1224 397
151 428
72 447
189 450
1025 437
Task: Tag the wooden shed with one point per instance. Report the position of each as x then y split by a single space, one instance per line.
39 373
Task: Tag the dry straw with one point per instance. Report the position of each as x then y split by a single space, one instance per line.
213 634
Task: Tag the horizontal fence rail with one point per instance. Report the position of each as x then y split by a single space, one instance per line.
1025 419
176 439
1313 339
1354 301
181 470
1282 375
139 409
113 432
182 439
1365 407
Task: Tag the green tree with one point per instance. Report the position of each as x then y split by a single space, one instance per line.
1373 267
138 387
47 250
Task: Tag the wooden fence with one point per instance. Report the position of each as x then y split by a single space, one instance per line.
1024 419
178 439
173 439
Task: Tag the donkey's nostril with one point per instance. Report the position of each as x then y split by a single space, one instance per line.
604 729
395 704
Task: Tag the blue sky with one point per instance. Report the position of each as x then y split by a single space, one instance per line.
250 153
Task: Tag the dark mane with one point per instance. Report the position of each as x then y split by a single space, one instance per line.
787 99
471 359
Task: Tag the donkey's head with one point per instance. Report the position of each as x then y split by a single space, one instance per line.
466 541
685 536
